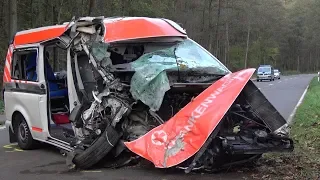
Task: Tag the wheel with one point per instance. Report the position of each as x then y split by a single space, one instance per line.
23 134
98 150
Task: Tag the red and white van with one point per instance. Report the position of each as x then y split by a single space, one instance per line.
134 87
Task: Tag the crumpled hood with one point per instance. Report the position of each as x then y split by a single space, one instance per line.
185 133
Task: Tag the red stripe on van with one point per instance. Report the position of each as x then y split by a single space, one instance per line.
8 58
7 73
36 129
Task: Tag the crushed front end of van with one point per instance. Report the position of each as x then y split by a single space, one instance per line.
175 105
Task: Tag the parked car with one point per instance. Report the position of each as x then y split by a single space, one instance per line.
277 74
265 72
134 88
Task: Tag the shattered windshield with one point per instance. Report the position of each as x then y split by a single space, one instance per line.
150 82
190 56
187 54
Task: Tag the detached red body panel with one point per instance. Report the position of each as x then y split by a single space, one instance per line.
185 133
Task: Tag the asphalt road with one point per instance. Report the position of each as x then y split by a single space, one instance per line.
285 93
47 163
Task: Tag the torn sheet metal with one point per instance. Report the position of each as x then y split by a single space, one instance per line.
185 133
260 104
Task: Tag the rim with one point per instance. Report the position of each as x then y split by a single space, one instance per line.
23 129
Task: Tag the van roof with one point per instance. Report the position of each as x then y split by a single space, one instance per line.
265 66
117 29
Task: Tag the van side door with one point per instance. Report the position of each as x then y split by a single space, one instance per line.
25 92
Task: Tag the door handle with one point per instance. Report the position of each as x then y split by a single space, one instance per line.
42 86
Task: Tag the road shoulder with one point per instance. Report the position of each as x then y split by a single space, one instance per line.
304 161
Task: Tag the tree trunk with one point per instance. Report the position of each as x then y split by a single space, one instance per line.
203 15
40 15
227 43
123 7
59 11
247 48
32 19
226 50
13 18
2 16
317 61
91 7
185 11
210 26
298 63
54 13
217 28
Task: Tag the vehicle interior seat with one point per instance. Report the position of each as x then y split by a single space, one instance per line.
55 90
58 95
31 72
31 69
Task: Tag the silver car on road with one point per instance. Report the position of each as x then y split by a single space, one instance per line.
277 74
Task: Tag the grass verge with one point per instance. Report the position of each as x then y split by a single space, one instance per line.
304 161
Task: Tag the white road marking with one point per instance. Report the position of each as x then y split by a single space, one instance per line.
270 84
92 171
279 82
2 128
289 121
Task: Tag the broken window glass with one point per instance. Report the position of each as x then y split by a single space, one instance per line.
100 53
191 57
150 81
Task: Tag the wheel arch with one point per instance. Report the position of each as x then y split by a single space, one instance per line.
15 119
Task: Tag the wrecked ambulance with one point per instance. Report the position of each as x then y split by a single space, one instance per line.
132 89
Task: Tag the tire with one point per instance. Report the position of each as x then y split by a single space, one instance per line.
23 134
98 150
